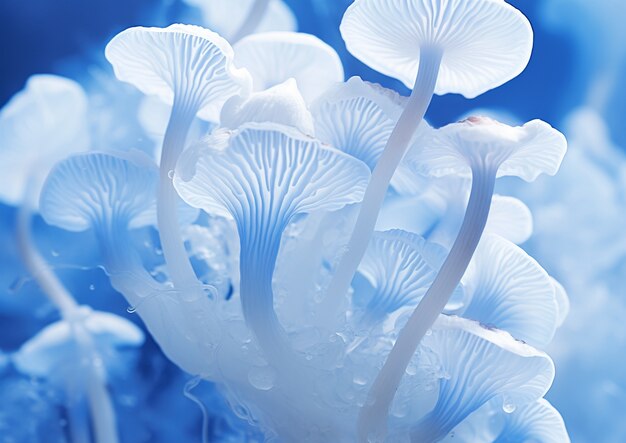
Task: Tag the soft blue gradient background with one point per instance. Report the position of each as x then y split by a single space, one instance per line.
67 37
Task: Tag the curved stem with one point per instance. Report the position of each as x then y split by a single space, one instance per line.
37 266
397 145
373 416
252 20
178 264
101 409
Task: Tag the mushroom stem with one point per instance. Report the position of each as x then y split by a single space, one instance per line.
373 415
259 250
397 145
179 267
252 21
100 406
37 266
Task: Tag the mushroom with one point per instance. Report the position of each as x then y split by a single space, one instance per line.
235 19
72 349
400 266
477 365
40 125
482 149
112 194
274 57
190 67
282 104
537 421
459 46
262 177
511 291
357 117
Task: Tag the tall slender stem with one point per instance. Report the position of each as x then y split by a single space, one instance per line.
252 21
397 145
179 267
100 405
37 266
373 416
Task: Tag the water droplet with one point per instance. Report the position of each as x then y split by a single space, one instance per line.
17 284
359 380
262 378
429 332
170 174
92 287
509 408
54 253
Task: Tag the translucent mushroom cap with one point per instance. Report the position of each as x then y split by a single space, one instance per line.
40 125
400 266
274 57
485 43
55 345
282 104
186 62
96 188
358 117
480 365
269 173
523 151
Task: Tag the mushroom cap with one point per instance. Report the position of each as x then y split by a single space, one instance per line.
96 188
282 104
226 17
510 218
536 421
184 61
55 346
358 117
274 57
485 43
40 125
479 364
267 173
512 292
523 151
400 266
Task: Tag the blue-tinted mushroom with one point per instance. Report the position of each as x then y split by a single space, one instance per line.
497 423
282 104
265 176
40 125
73 351
482 149
477 365
111 195
274 57
537 421
400 267
358 118
512 292
460 46
191 68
